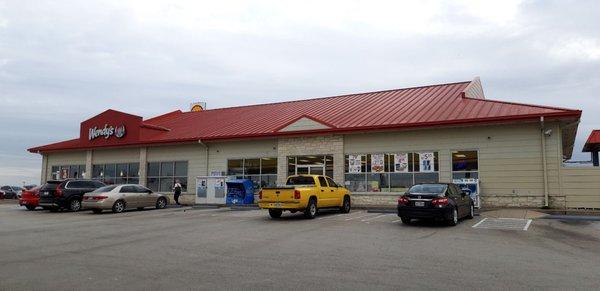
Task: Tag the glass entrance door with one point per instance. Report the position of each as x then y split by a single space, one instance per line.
310 170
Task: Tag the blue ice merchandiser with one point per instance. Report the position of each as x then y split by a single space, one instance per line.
240 191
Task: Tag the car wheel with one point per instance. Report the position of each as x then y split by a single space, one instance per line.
346 206
119 206
275 213
74 205
454 219
311 209
97 211
161 203
30 207
471 212
405 220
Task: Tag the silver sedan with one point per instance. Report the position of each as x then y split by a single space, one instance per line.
118 198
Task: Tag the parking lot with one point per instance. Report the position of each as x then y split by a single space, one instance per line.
183 248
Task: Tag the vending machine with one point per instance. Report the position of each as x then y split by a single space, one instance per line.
211 189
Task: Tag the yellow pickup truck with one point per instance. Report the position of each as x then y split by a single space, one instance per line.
307 193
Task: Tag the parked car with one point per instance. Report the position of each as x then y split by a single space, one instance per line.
29 187
66 194
118 198
307 193
435 201
30 198
1 194
11 192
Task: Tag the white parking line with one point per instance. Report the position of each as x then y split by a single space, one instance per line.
376 217
356 217
329 216
480 222
527 225
396 221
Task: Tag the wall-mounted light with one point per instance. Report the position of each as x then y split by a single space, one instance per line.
548 132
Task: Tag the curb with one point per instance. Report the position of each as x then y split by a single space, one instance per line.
572 217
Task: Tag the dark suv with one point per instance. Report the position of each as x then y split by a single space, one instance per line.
66 194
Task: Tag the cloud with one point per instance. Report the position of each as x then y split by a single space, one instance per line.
61 62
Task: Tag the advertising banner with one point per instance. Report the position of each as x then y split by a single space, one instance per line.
471 187
426 162
377 163
354 164
401 163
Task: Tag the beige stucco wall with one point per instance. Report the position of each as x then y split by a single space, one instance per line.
111 156
510 157
581 187
193 153
220 152
63 159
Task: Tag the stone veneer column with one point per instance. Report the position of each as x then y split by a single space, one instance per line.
89 155
143 165
314 145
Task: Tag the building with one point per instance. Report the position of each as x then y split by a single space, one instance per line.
592 145
376 143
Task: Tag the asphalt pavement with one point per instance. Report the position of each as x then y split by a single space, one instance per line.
208 249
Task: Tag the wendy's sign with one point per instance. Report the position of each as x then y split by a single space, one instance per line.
111 128
106 132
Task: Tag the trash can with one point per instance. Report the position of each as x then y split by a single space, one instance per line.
240 191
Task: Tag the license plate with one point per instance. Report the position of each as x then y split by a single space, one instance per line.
46 193
419 203
277 204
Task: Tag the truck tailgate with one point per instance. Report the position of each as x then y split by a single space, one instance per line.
274 195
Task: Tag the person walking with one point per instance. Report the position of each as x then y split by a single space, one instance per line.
177 191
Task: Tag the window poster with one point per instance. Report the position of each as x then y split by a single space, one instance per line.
401 163
354 164
377 163
426 162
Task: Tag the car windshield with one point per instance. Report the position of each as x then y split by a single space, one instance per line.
427 189
51 185
105 189
300 180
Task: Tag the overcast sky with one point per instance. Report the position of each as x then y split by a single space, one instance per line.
64 61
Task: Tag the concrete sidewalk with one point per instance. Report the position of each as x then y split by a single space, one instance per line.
513 213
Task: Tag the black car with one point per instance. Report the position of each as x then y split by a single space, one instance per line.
440 201
66 194
11 192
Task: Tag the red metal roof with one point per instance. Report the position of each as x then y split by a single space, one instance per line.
593 141
426 106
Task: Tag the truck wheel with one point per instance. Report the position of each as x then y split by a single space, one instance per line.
311 209
275 213
346 206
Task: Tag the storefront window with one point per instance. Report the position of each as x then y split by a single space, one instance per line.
68 171
314 165
162 175
390 172
465 165
116 173
262 171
